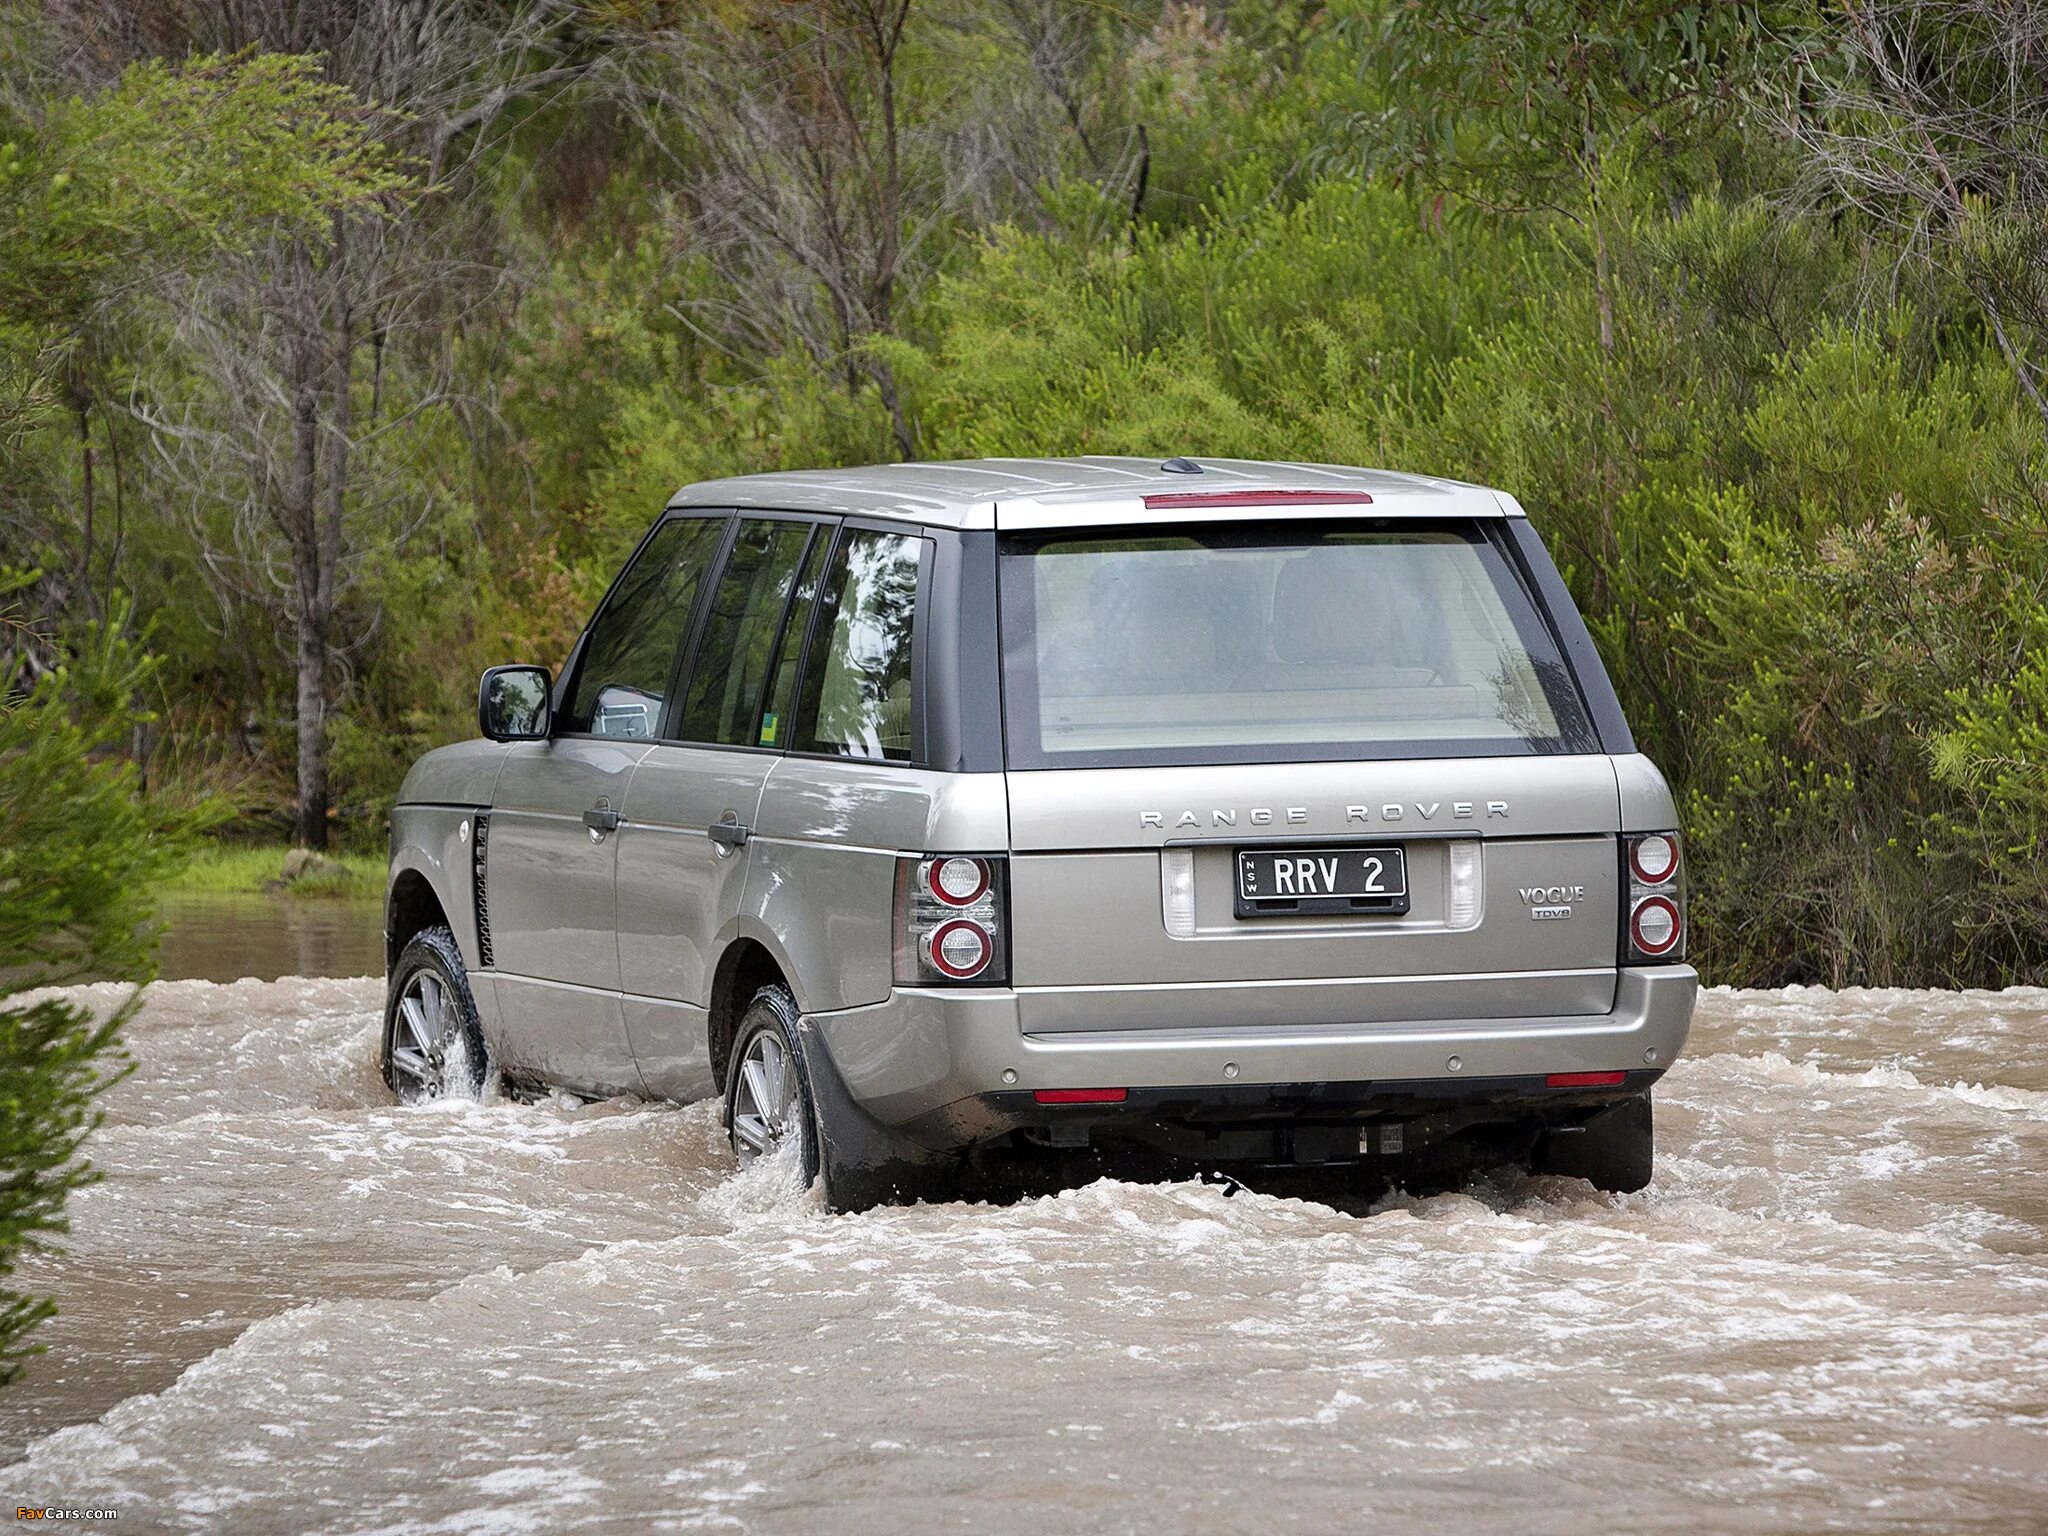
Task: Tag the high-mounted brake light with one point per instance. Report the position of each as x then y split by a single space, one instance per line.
1194 500
1081 1095
951 912
1653 919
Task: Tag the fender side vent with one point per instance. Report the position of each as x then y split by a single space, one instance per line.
483 904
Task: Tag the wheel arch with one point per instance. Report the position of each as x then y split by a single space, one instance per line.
433 878
411 906
750 959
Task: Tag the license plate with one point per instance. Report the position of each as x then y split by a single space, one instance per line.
1284 882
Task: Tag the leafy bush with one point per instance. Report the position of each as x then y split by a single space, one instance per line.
80 853
1800 529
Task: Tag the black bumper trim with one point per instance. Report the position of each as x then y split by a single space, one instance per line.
1238 1120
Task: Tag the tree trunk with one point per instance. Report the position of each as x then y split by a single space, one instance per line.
81 405
311 828
340 427
1603 302
302 518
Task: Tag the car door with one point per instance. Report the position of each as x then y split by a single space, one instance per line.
551 855
681 872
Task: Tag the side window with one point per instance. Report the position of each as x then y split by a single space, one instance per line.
633 641
747 610
778 714
857 684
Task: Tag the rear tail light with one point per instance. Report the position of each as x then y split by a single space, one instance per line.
1653 925
1654 859
952 926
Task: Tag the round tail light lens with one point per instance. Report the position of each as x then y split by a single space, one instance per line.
957 882
961 949
1654 859
1654 925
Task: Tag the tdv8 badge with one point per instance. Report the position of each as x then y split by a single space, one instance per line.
1551 902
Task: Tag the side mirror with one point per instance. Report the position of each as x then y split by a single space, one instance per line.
513 704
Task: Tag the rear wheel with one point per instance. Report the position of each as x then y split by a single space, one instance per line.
1613 1151
433 1040
768 1103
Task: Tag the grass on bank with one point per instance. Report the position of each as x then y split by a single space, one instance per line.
230 869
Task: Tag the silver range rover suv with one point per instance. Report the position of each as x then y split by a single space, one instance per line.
1201 814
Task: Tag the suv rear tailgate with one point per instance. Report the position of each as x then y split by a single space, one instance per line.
1512 876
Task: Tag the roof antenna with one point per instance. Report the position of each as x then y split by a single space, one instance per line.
1180 467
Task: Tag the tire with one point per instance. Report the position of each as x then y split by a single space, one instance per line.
768 1099
1614 1151
433 1040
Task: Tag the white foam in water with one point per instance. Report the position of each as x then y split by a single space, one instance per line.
296 1306
769 1186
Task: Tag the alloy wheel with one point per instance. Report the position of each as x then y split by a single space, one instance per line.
423 1037
767 1112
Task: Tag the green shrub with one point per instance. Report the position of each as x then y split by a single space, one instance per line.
81 852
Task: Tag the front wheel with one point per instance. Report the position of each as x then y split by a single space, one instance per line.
1613 1151
768 1101
433 1040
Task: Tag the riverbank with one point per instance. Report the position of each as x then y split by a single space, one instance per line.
250 869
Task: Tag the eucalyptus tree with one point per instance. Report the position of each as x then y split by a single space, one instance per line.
1937 132
165 171
804 179
101 194
1537 106
295 400
1543 108
824 156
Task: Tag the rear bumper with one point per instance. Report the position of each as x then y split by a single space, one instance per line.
914 1062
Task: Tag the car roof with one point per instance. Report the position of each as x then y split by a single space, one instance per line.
1063 493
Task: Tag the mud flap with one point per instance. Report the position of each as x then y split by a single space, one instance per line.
863 1162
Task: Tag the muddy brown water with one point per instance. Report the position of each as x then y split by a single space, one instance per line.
293 1306
212 936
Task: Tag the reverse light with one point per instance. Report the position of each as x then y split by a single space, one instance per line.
1653 926
1177 890
1461 911
951 918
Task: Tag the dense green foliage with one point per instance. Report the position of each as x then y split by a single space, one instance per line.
1658 269
166 167
80 851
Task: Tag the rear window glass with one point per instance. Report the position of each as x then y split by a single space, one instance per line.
1276 643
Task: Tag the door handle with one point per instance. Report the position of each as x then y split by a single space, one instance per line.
727 834
601 819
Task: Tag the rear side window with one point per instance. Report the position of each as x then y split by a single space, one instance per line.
780 708
738 649
858 686
1261 643
626 665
